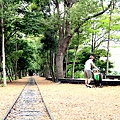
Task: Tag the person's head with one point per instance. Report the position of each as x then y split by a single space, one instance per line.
91 57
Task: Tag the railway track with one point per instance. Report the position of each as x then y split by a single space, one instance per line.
29 105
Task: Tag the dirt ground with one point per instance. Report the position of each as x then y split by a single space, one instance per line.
68 101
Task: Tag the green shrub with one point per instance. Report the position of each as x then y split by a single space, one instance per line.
79 74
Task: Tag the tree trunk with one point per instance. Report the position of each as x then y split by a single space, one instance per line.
108 49
9 77
109 30
3 48
92 43
0 69
73 67
0 77
59 65
16 74
19 74
52 66
9 74
66 63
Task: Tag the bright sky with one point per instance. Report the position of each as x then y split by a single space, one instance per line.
115 58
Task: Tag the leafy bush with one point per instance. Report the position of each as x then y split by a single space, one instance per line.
79 74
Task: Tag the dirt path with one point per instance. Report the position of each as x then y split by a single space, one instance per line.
69 101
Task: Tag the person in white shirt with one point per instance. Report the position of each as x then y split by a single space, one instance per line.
88 72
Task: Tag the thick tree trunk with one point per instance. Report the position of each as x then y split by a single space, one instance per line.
59 65
62 48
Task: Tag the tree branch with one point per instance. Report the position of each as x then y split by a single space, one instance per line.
93 16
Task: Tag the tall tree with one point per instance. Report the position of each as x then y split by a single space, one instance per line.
109 32
3 42
91 9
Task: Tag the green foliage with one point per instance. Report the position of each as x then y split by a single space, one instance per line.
82 56
82 10
27 59
115 73
49 41
79 74
2 85
16 54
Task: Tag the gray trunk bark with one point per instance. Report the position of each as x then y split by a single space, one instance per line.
59 66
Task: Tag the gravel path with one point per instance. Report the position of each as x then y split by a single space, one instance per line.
69 101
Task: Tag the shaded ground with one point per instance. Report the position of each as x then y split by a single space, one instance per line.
69 101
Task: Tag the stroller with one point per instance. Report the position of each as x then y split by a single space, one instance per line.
97 78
